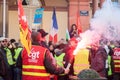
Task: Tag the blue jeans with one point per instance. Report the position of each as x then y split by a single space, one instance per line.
17 74
1 78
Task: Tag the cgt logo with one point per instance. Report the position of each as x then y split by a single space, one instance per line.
34 54
117 53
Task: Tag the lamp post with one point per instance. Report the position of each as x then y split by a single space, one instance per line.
4 17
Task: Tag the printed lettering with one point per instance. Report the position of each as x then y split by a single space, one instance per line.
33 56
117 53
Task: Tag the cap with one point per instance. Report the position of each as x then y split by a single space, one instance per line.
2 38
43 33
12 40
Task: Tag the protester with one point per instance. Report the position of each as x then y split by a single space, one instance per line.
5 70
109 61
39 63
61 44
16 51
98 58
51 47
116 60
59 56
69 57
81 61
74 31
43 41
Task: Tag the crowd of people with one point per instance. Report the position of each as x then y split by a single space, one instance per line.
55 61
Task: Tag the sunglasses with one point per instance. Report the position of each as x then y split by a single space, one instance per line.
4 41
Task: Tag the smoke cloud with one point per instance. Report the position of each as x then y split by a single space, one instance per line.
105 23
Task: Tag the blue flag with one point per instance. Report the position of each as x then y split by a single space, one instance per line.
55 25
38 16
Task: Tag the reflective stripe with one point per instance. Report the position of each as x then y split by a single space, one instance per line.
116 60
79 65
35 74
33 67
117 66
61 74
75 73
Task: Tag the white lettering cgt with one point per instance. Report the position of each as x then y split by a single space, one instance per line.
33 56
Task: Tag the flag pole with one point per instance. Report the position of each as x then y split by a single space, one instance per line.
78 8
78 4
4 17
78 18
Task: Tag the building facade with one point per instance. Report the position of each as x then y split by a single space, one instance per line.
66 12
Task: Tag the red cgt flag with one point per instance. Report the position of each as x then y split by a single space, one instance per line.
25 33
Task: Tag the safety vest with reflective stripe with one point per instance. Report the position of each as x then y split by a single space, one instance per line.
33 64
81 61
109 65
59 59
9 56
116 59
17 52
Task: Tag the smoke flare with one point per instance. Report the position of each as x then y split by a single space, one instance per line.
105 23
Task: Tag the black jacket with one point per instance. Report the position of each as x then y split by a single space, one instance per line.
4 66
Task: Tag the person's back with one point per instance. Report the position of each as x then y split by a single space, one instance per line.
81 61
98 62
39 63
116 60
33 64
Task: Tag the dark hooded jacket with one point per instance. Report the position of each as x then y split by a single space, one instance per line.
97 60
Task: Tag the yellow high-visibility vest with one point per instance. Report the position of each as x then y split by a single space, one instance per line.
9 56
81 61
59 59
17 52
109 65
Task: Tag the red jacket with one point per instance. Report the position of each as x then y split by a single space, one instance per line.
69 58
33 64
